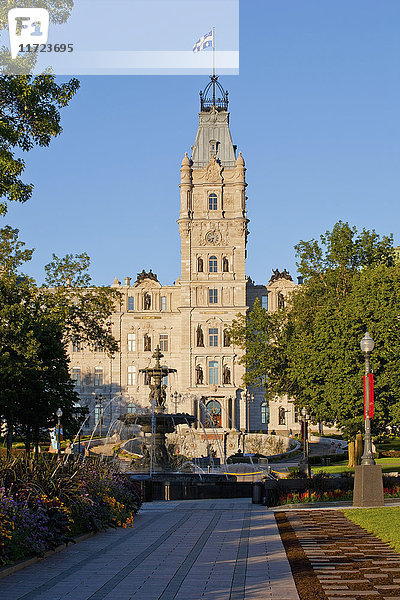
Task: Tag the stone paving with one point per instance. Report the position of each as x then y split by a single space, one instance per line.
192 550
348 562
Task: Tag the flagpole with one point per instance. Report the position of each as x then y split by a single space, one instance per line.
214 67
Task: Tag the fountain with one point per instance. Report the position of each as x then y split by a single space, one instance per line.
157 422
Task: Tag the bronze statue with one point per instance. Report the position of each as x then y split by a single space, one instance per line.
226 375
278 275
199 375
200 337
147 343
143 275
281 300
227 339
147 301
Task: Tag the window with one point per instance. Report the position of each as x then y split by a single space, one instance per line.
76 345
163 342
131 409
212 202
97 347
131 303
98 414
296 414
163 302
213 264
282 416
264 302
131 375
213 296
98 376
213 337
264 413
76 377
131 342
214 414
213 373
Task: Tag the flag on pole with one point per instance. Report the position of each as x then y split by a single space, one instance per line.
369 380
207 41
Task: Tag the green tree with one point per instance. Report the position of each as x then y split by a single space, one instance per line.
29 116
310 350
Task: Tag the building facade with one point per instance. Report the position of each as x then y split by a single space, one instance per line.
189 319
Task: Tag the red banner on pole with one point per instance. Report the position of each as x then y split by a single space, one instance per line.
371 396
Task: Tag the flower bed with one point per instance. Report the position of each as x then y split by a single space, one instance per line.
328 496
45 503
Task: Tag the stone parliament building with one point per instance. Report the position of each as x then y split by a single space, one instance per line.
189 319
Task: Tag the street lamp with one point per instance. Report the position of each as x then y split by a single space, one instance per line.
99 399
367 345
304 464
59 414
176 398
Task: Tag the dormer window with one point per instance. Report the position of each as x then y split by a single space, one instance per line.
213 147
213 202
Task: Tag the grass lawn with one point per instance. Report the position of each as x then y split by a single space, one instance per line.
383 522
388 465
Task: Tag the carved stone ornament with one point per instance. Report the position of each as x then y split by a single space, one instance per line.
213 171
213 237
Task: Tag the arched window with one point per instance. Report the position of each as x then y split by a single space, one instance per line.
213 373
213 414
264 413
213 264
212 202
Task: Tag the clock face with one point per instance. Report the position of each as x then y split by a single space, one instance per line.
213 237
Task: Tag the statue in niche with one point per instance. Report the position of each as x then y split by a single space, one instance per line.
199 375
200 337
281 300
200 265
227 375
227 339
225 265
147 301
147 343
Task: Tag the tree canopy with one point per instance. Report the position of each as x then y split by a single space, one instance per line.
311 349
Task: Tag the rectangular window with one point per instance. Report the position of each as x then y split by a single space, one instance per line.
98 376
213 296
163 302
76 345
163 342
264 413
213 373
131 409
131 342
131 303
131 375
296 414
264 302
76 376
213 337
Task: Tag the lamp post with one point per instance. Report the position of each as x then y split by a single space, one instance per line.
176 398
304 464
99 399
59 414
367 345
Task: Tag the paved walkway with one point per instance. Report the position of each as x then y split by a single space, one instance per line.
192 550
348 563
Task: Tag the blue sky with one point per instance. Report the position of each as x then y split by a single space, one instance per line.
315 111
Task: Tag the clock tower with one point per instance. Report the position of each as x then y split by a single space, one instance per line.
213 229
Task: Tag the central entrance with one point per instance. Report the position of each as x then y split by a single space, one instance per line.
214 414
